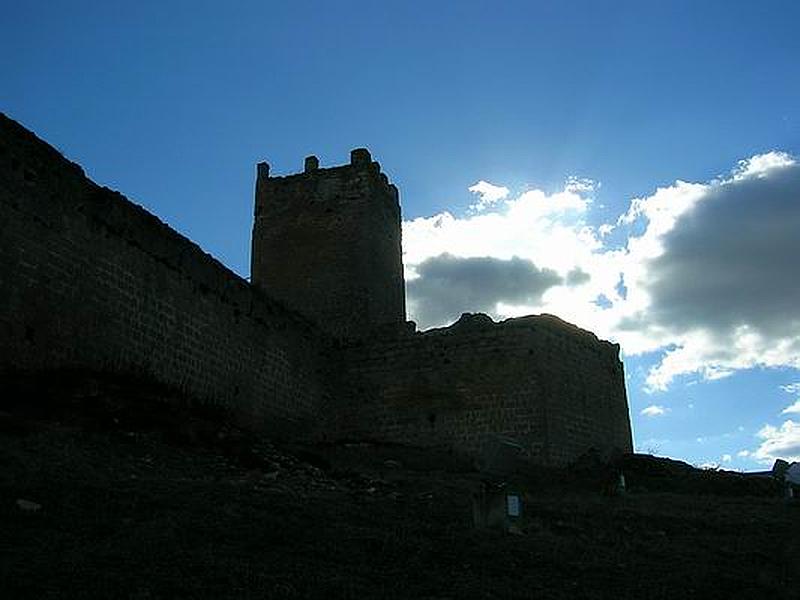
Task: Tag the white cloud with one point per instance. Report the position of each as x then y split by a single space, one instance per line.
605 229
488 194
760 165
743 453
779 442
548 231
726 458
792 409
653 411
706 275
791 388
715 269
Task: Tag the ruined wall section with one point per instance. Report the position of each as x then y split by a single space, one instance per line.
90 280
551 386
327 242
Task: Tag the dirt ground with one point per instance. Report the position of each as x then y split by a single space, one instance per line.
100 500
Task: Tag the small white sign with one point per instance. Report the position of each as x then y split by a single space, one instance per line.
512 506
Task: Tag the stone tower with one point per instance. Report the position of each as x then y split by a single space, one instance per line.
327 243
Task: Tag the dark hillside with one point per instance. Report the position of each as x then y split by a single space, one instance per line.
117 494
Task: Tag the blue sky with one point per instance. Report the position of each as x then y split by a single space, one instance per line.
567 111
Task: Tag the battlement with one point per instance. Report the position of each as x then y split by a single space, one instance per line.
359 158
326 241
360 169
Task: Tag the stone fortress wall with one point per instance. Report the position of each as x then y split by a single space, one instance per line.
317 346
92 281
554 389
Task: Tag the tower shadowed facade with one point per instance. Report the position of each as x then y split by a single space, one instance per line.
327 242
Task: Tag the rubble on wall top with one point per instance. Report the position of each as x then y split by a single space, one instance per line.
483 322
473 321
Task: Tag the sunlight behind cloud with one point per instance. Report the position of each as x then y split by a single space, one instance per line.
548 230
674 286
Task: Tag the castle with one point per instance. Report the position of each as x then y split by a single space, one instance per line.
316 346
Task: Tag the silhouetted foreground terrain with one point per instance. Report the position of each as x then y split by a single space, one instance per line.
106 493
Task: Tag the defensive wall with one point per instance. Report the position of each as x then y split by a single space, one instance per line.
551 387
92 281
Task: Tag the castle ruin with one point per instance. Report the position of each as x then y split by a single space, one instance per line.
316 346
